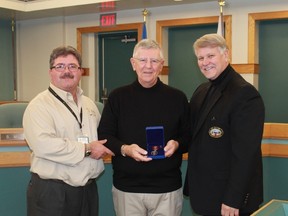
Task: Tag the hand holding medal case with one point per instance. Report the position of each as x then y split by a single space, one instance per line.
155 142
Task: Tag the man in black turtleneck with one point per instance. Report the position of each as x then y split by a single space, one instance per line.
142 185
224 174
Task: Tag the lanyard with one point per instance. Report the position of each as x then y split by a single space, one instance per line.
68 107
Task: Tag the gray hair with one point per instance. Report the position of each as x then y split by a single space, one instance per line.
211 40
147 44
64 51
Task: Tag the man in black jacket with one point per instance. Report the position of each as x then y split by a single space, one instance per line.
224 175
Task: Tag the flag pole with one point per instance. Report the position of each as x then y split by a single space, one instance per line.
221 4
145 13
220 29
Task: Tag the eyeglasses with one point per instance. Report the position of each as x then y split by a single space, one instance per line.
144 61
62 67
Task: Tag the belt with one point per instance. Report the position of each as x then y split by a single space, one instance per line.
35 175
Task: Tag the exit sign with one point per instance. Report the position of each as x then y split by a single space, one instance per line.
108 19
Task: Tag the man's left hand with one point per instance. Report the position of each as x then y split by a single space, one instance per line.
229 211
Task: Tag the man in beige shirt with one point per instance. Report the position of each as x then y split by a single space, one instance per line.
60 126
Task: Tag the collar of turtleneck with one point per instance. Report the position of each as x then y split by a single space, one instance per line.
139 86
221 77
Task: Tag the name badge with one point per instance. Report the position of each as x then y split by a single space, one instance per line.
83 139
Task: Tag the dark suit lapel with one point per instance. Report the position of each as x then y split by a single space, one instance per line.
216 96
209 106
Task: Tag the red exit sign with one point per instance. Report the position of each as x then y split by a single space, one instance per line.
108 19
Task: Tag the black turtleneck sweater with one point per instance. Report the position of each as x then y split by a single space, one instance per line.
129 110
214 84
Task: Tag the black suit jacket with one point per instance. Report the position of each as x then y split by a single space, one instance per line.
225 161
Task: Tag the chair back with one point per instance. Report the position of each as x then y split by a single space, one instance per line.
100 106
11 114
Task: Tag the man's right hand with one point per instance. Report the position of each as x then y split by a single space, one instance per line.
99 150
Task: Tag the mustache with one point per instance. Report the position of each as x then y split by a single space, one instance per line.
67 75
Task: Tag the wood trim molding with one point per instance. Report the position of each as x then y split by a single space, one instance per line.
11 142
97 29
275 150
253 34
86 71
162 25
250 68
14 101
19 159
11 130
185 156
22 159
165 70
246 68
275 131
14 159
268 150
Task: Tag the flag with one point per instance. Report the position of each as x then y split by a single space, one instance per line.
144 31
220 29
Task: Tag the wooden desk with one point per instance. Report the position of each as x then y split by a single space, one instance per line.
13 158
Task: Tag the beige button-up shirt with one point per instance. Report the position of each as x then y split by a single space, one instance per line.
51 132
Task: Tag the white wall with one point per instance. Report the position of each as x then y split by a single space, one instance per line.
37 38
35 41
